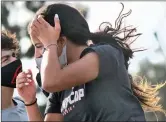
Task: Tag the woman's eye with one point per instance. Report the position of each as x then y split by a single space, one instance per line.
39 46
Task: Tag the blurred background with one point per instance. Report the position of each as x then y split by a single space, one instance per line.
148 17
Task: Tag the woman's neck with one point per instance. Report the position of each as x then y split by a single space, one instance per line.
7 95
74 52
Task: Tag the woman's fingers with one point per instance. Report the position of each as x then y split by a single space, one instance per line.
42 21
34 31
57 23
36 24
21 85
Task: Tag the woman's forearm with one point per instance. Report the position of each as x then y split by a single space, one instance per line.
50 69
34 113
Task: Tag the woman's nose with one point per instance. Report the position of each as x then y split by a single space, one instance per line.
38 53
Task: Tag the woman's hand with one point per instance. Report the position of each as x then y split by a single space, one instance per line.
26 87
45 32
33 32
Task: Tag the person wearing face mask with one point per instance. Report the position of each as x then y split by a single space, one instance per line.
95 84
13 109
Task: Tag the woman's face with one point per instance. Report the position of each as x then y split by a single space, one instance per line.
39 47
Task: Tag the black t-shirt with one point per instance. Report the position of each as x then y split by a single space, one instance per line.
107 98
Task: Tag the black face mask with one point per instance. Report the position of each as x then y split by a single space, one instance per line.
9 73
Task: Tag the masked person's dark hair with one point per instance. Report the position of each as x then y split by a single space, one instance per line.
75 28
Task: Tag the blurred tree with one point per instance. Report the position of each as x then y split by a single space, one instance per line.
160 49
34 5
155 73
6 9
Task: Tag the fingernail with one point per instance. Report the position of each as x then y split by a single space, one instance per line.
56 16
26 84
28 76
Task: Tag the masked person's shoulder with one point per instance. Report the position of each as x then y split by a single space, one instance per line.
21 107
18 102
16 113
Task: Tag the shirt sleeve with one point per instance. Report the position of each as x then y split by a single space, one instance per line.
108 58
53 104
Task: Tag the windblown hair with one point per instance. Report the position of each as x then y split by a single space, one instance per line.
9 42
146 93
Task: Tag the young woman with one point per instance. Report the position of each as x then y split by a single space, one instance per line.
95 85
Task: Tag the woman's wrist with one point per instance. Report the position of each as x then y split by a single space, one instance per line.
51 45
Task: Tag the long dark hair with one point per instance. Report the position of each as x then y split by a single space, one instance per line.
146 93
